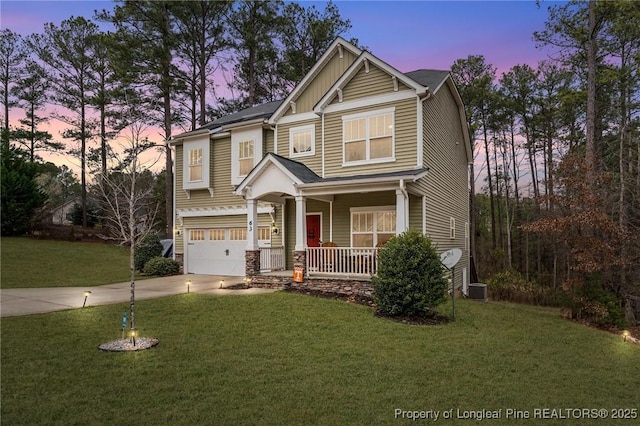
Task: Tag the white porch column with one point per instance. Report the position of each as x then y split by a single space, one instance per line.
402 211
252 224
301 223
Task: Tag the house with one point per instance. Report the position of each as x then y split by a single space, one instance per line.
357 153
61 215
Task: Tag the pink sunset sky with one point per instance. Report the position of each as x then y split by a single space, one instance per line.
408 35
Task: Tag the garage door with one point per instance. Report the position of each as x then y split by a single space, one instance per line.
216 251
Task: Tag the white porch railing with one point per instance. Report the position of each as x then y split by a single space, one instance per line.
342 260
271 259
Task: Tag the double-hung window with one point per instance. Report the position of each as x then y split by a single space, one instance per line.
195 165
302 141
368 137
245 157
372 227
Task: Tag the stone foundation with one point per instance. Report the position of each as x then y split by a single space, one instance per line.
330 285
300 261
179 257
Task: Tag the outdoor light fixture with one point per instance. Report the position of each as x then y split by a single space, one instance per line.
248 281
625 335
86 294
188 286
132 334
221 283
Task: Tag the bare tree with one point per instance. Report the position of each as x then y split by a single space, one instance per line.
130 211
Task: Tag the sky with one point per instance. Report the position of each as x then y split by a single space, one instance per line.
408 35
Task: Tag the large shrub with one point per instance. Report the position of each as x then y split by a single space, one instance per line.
410 279
147 248
161 266
511 286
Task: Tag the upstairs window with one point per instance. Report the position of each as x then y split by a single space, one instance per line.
246 151
195 165
368 137
245 157
302 141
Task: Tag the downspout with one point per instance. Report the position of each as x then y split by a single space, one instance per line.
322 143
275 138
330 220
405 194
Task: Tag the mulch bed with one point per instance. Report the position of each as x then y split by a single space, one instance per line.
368 301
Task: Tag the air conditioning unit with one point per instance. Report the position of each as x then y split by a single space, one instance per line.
478 291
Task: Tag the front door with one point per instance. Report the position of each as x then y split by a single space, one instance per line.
313 230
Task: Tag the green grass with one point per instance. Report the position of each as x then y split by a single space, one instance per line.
285 358
28 263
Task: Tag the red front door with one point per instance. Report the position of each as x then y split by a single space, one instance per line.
313 230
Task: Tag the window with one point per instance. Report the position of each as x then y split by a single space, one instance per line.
196 235
246 151
368 137
195 165
372 228
264 233
302 141
216 234
237 234
452 228
245 157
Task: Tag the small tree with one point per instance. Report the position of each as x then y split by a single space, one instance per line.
147 248
410 279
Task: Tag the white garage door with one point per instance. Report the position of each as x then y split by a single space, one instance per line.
216 251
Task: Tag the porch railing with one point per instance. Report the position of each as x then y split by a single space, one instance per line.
342 260
271 259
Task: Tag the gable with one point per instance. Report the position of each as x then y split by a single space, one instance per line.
369 80
331 72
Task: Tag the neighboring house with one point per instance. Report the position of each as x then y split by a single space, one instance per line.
61 215
357 153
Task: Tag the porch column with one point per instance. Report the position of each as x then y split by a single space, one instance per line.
252 224
301 223
402 211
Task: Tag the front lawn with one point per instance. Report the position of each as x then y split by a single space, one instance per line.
285 358
29 262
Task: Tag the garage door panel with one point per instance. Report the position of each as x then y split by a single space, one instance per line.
217 257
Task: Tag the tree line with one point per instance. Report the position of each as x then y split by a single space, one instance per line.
160 63
560 147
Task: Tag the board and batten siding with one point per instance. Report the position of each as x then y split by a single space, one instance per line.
363 83
445 185
405 117
330 73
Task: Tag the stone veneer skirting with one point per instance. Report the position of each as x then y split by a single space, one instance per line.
330 285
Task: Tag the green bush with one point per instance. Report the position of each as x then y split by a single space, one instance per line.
161 266
410 279
511 286
147 248
599 306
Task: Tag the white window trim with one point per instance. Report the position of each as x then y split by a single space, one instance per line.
371 209
312 129
452 228
367 115
243 135
205 182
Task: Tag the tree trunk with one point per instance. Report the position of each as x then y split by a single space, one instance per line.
591 143
491 201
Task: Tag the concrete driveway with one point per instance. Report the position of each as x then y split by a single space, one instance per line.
26 301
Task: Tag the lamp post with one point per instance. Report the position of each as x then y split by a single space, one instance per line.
86 295
625 335
221 283
188 286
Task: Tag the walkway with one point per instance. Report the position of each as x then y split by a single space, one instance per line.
27 301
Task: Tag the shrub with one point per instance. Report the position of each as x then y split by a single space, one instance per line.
148 247
511 286
161 266
410 279
599 306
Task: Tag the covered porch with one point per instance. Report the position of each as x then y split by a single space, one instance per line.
332 227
